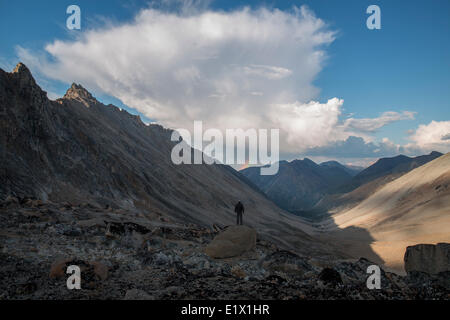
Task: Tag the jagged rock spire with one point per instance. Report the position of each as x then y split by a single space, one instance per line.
21 69
26 83
77 92
24 75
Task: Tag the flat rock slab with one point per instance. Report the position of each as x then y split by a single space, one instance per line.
428 258
232 242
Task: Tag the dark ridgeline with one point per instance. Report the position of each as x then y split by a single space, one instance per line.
397 166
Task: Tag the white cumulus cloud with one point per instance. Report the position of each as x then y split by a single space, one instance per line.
230 69
238 69
432 136
373 124
308 124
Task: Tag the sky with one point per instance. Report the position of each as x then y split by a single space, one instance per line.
334 88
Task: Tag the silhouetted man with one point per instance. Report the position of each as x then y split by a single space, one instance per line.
239 209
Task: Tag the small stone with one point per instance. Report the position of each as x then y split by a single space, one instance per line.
100 269
11 199
95 222
238 272
136 294
174 290
161 259
58 268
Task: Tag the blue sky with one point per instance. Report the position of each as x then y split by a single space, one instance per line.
405 66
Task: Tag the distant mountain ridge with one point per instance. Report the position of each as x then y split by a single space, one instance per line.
386 166
368 182
309 189
299 184
351 170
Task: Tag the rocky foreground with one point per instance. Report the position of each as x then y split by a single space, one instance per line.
125 255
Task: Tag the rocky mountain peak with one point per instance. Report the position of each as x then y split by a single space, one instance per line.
23 80
22 69
436 154
79 93
23 74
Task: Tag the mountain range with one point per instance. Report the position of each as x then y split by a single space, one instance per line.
299 184
310 189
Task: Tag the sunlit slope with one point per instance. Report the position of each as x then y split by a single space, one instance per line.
414 208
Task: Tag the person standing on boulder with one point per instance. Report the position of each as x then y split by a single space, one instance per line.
239 209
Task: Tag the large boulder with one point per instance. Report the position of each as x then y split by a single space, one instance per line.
330 276
232 242
428 258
